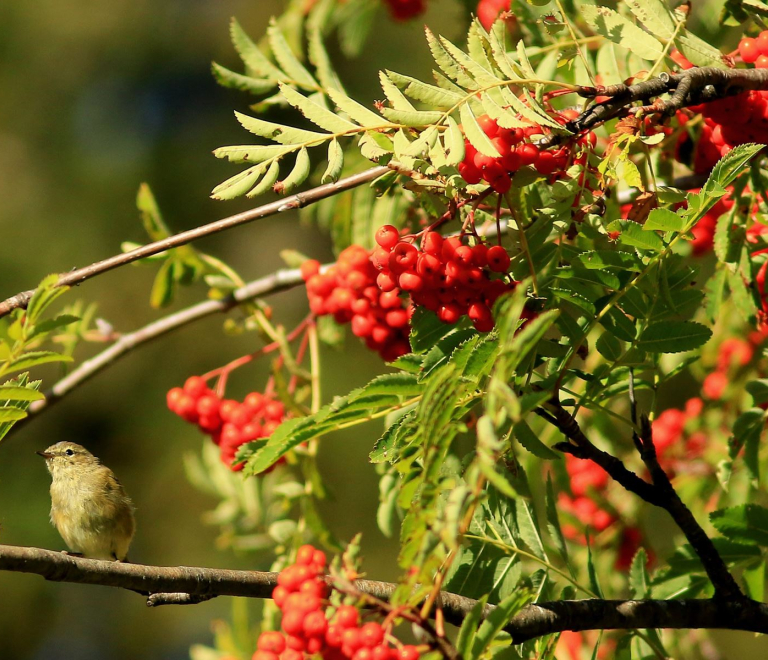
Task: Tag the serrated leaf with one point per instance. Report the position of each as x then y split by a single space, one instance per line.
553 521
358 112
267 182
594 583
654 15
55 323
239 184
278 133
233 80
335 162
35 358
433 96
316 113
453 139
632 234
163 286
639 582
495 622
698 51
299 173
528 527
287 60
673 337
447 63
747 523
10 414
249 153
664 220
16 393
619 30
412 118
394 95
474 133
468 629
526 437
318 56
253 58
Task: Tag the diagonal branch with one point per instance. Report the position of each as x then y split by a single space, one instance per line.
166 585
297 201
660 493
280 280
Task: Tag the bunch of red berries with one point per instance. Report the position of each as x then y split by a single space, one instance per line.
347 291
446 276
587 479
755 51
515 150
675 447
403 10
488 11
309 628
228 422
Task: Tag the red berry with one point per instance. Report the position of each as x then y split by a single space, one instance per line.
762 42
315 624
195 386
293 621
347 616
309 268
333 635
254 403
173 397
498 259
186 407
761 62
350 639
371 634
208 404
408 652
279 594
528 153
488 126
271 641
382 652
387 236
410 282
264 655
470 173
386 281
449 313
291 654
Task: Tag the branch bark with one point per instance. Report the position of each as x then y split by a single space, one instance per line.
280 280
183 585
297 201
660 493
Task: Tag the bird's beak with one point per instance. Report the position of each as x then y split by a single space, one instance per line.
45 455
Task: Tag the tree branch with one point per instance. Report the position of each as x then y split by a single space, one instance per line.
297 201
691 87
280 280
660 493
182 585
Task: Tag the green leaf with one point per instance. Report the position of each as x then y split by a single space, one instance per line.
759 390
594 583
526 437
35 358
553 521
474 133
655 16
426 330
163 286
747 523
358 112
249 153
673 337
754 580
664 220
619 30
267 182
434 97
413 118
239 184
318 56
468 630
454 142
253 58
495 622
529 528
699 52
45 293
287 60
9 414
448 65
15 393
277 132
639 582
631 233
335 163
55 323
316 113
299 173
232 80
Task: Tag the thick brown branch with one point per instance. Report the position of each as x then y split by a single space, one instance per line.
300 200
278 281
187 585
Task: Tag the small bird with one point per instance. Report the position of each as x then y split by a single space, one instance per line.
89 506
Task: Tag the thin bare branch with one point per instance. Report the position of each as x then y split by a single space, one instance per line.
297 201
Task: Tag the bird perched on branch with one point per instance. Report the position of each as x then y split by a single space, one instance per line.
89 506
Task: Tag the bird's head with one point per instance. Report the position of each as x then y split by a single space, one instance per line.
68 456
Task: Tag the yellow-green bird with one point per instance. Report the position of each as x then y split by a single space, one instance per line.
89 506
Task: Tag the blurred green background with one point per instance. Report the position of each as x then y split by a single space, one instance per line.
96 98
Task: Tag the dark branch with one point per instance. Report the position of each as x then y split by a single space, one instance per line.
300 200
183 585
691 87
660 493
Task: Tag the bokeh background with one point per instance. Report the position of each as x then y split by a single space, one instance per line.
96 98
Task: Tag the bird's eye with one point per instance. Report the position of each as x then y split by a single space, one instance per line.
69 452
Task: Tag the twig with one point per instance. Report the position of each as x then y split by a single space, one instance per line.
187 585
660 493
280 280
297 201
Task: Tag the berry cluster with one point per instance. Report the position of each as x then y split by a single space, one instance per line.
516 150
446 276
347 291
674 450
403 10
488 11
228 422
755 50
309 628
